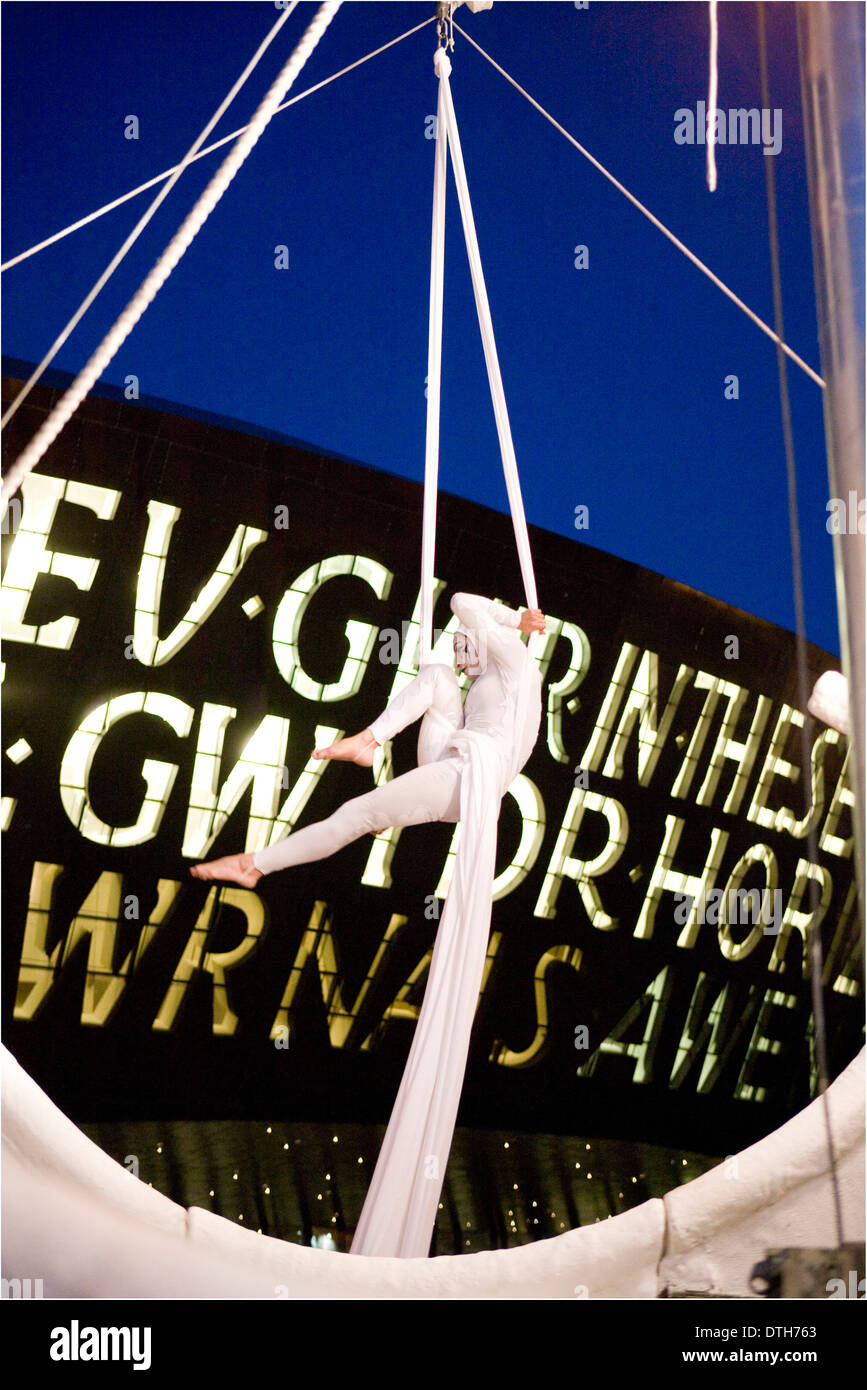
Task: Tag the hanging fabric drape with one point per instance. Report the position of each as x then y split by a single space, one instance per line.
401 1204
448 138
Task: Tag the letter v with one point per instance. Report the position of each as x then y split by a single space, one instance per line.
147 646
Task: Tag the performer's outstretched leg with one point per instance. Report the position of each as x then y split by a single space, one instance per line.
425 794
435 696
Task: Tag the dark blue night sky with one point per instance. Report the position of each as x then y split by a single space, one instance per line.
614 374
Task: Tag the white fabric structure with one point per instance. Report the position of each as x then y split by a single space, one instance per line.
830 700
401 1205
92 1230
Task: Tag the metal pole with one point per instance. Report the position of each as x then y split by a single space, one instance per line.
831 44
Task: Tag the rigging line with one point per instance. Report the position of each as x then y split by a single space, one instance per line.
143 187
150 286
144 220
760 323
711 100
800 645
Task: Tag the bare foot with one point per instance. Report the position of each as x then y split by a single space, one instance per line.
360 748
234 868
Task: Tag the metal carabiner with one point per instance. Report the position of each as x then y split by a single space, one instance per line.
445 24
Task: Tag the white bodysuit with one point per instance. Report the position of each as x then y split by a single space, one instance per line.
431 791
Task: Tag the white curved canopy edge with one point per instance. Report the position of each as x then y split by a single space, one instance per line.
81 1222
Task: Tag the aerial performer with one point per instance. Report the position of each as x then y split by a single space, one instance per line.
468 757
490 653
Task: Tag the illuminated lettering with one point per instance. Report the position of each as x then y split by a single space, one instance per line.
317 946
712 684
195 958
641 704
610 705
842 799
306 784
776 766
577 666
845 954
583 871
261 762
148 648
804 922
665 879
160 777
490 957
761 1044
96 919
709 1035
727 747
503 1055
532 809
29 556
360 636
739 950
784 819
400 1007
650 1005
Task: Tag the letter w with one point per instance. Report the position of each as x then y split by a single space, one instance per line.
97 919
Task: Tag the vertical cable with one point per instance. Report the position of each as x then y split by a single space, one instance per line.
800 641
434 376
711 101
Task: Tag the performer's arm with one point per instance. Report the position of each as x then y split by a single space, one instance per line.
426 691
492 621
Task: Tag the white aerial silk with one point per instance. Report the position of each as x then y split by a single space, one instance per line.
401 1205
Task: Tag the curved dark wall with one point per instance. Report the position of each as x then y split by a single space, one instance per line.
609 1015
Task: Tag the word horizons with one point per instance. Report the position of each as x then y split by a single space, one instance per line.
75 1343
740 126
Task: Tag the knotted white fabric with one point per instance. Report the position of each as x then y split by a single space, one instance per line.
401 1204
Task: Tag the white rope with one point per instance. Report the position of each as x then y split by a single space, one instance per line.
434 374
705 270
711 101
495 380
226 139
150 286
448 138
143 221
